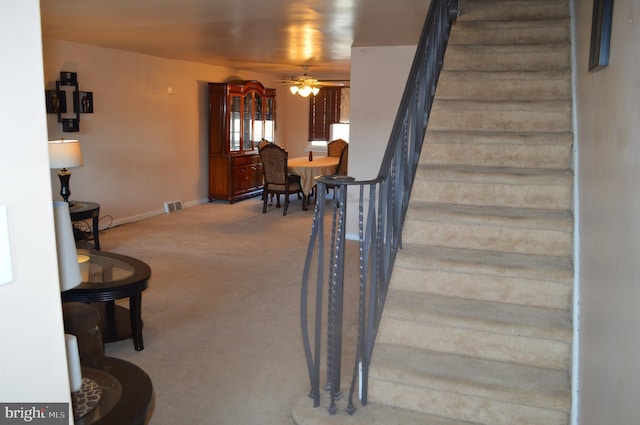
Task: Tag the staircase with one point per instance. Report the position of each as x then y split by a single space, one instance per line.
477 326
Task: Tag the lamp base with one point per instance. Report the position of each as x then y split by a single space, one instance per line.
65 176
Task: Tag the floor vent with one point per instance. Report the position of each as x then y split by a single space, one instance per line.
172 206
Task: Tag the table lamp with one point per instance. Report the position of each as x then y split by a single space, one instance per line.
69 277
68 267
64 154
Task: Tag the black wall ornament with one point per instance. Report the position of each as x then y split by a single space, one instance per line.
56 102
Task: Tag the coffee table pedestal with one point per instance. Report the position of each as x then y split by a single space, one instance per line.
115 323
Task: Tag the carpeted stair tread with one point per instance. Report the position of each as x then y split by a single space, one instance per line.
517 384
490 317
463 407
507 57
304 413
486 262
512 32
494 116
472 75
485 275
551 156
495 175
498 149
524 231
498 138
474 215
494 186
512 10
502 106
484 339
504 85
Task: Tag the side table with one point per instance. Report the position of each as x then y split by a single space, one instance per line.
82 210
112 277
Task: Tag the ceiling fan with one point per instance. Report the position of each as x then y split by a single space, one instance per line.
304 85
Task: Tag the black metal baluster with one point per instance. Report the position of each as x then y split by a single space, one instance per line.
380 229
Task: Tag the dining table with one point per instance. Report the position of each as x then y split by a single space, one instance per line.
308 170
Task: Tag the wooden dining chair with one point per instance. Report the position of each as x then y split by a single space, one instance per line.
335 147
343 168
277 180
263 143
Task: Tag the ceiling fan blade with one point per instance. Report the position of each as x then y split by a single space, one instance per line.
313 81
324 83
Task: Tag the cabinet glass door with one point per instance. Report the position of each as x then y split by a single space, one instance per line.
258 120
234 125
247 125
268 116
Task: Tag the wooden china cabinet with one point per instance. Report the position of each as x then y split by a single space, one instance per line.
241 113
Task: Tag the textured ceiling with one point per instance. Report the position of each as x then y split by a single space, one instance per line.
275 37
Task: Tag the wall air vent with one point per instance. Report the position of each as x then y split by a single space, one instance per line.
172 206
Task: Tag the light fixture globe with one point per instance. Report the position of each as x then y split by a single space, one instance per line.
305 91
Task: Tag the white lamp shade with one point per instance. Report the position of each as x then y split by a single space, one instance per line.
64 154
293 89
68 268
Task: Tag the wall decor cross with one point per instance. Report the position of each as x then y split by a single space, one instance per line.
56 101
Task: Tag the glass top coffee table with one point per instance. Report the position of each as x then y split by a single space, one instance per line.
107 277
126 392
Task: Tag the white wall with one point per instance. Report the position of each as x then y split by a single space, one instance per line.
378 77
293 112
142 146
32 351
608 109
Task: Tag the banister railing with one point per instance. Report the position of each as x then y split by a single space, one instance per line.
382 207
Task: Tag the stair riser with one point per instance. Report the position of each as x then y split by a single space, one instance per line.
549 197
462 407
500 89
471 10
475 342
499 120
465 59
483 287
519 156
492 237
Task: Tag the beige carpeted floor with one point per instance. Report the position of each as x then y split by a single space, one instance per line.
221 315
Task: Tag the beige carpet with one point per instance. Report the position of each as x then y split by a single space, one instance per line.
221 315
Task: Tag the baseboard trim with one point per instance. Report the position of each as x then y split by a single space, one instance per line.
149 214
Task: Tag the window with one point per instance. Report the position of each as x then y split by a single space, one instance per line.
324 110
